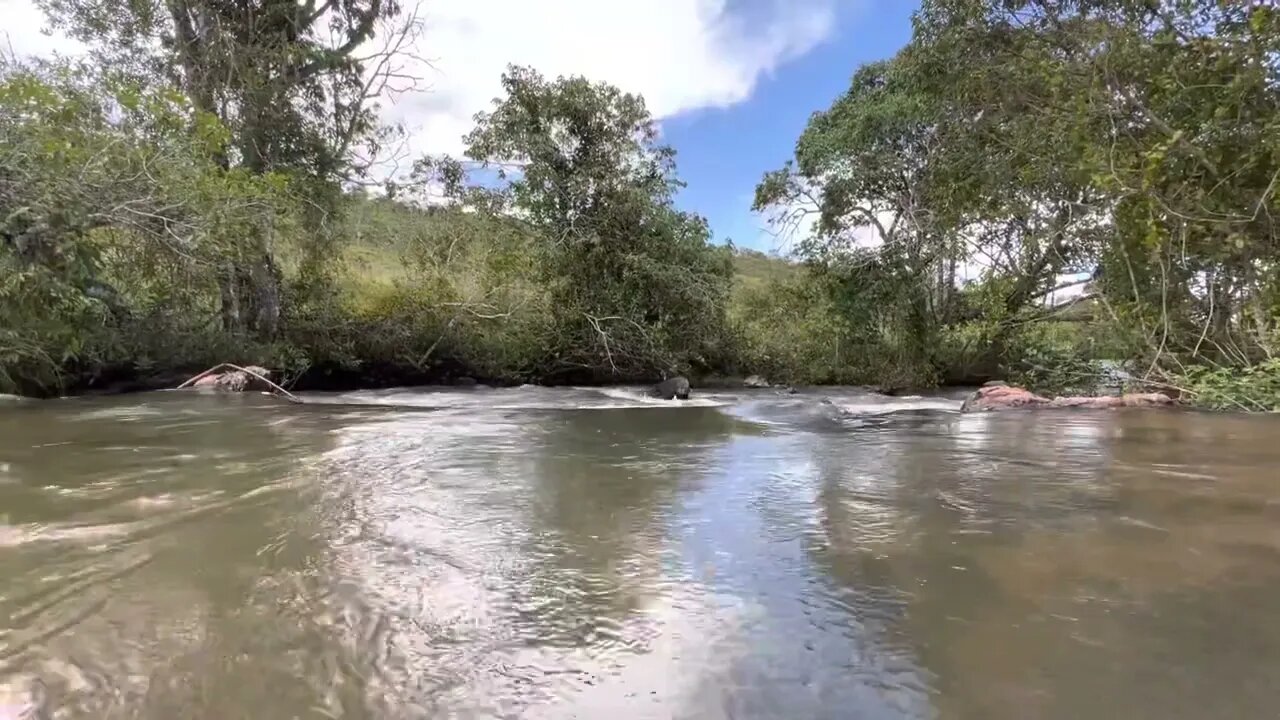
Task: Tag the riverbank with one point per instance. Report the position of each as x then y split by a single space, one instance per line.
382 377
1255 389
226 377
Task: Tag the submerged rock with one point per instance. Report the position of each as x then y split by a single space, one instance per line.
670 389
1006 397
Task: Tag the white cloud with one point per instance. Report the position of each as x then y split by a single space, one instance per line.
680 54
780 229
21 32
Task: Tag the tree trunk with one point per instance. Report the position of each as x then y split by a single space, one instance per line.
229 292
266 295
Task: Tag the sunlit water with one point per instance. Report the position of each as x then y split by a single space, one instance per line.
556 553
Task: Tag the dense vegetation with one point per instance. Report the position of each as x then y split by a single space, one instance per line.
1129 146
200 190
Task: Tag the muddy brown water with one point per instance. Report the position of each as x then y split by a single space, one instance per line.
535 553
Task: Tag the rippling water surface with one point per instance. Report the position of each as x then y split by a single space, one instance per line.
539 553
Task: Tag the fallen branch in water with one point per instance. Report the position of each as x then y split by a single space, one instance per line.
216 368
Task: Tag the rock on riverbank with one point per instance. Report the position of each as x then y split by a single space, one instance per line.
1007 397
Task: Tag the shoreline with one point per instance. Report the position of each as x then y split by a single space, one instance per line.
384 378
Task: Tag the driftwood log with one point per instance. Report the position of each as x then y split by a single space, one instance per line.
234 378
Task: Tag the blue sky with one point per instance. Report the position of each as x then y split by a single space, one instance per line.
722 152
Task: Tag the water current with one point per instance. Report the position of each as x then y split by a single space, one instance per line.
591 553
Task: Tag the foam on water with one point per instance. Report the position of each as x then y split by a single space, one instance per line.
628 397
525 397
867 404
875 405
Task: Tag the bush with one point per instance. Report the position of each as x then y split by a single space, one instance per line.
1054 359
790 332
792 328
1255 388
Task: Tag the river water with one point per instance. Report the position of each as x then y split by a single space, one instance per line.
539 553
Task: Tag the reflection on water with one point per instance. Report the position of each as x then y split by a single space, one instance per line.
577 553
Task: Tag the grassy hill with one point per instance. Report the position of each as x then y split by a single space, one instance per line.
755 270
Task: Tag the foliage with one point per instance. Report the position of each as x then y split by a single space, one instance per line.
636 289
1255 388
112 210
293 85
1132 142
1053 359
432 292
284 77
857 168
753 269
791 332
128 238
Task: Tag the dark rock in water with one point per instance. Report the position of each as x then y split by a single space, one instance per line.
670 389
788 390
465 381
755 381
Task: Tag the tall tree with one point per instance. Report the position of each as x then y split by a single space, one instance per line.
295 82
639 289
1131 139
861 168
1155 119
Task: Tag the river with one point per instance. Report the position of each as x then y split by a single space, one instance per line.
580 553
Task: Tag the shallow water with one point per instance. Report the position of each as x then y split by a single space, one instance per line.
577 553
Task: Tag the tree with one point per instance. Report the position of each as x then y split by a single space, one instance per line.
113 211
1161 115
639 291
863 168
296 83
1131 140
